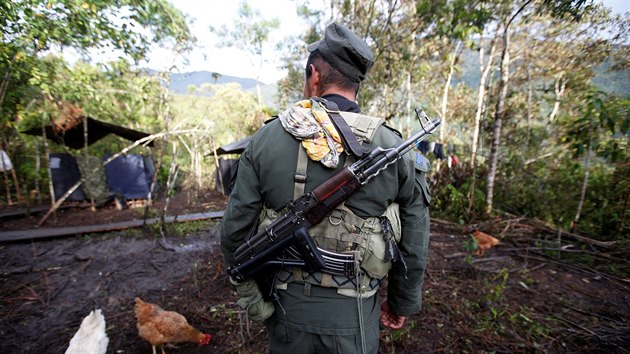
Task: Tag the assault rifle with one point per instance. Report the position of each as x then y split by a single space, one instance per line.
286 241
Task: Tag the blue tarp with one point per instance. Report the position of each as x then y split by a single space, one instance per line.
65 174
130 176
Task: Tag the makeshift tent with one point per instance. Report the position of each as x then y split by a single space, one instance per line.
226 168
226 171
130 176
65 174
74 136
236 147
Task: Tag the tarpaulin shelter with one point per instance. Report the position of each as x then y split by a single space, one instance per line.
96 130
65 173
130 176
236 147
70 131
226 168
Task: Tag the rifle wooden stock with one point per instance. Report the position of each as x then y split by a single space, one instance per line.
331 194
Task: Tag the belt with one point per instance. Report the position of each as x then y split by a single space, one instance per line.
325 280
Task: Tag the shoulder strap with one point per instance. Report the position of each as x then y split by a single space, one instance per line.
299 180
364 127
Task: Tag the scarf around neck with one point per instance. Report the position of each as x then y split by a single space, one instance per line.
309 122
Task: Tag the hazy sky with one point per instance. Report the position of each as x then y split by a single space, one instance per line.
232 62
229 61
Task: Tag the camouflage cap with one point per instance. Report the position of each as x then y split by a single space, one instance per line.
344 51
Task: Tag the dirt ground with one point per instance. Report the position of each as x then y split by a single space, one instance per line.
518 297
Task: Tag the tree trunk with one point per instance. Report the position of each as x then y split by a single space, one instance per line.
498 118
480 109
481 99
170 186
559 90
530 94
86 161
500 108
259 95
51 188
447 86
38 167
587 168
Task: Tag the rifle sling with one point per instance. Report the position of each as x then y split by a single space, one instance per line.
349 140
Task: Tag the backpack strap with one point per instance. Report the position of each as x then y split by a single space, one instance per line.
364 127
299 179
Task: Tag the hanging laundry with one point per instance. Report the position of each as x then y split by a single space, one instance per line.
438 151
423 146
5 162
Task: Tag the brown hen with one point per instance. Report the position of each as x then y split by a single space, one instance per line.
160 327
484 241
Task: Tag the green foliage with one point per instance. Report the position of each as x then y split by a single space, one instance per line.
187 228
451 194
456 19
38 25
470 246
229 114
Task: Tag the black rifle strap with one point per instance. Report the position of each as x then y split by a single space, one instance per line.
349 140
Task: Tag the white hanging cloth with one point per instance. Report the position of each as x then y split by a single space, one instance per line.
5 162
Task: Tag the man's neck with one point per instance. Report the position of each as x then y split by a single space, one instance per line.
347 94
342 102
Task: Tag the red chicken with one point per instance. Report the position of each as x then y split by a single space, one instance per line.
160 327
484 241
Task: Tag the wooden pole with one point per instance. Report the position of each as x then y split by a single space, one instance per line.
86 161
51 188
38 166
218 167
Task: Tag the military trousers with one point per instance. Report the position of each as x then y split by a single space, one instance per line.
312 319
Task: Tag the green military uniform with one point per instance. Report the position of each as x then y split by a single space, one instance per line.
314 316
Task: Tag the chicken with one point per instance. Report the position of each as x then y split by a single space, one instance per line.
91 337
484 241
160 327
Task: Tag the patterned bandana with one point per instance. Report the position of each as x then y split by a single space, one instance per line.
308 121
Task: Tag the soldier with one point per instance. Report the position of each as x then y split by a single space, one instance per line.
386 220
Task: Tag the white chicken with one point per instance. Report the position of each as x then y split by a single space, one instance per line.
91 337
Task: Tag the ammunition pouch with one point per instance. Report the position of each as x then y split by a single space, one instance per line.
362 241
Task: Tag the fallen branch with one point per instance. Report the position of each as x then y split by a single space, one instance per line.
544 225
619 282
566 250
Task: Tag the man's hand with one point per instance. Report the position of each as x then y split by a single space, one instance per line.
389 319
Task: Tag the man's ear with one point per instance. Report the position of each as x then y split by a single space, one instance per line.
313 79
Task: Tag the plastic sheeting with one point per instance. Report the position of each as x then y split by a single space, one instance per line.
65 174
130 176
224 175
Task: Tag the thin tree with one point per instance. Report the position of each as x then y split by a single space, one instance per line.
500 105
